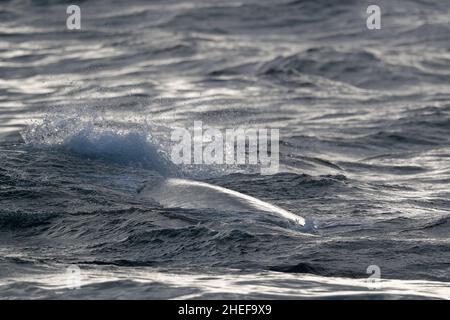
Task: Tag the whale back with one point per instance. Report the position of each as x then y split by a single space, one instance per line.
191 194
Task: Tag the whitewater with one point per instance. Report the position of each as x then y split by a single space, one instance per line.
92 205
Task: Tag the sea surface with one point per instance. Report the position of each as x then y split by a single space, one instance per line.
85 123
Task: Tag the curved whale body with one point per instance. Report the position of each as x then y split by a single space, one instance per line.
190 194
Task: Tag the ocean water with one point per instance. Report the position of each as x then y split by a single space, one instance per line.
85 123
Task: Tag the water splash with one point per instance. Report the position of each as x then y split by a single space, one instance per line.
96 136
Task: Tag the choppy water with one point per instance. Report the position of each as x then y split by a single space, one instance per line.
85 122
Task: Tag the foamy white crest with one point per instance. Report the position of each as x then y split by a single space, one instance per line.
96 135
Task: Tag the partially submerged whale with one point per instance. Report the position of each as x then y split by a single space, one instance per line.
191 194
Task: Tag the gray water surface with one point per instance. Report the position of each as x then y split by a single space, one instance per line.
364 120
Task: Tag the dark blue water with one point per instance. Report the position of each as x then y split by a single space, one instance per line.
85 123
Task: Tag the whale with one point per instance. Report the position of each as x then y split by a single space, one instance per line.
193 194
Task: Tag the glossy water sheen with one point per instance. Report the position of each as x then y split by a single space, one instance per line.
85 122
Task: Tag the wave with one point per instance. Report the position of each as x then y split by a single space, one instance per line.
106 282
93 136
134 141
123 148
363 68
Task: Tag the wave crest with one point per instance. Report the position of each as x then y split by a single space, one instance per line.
98 138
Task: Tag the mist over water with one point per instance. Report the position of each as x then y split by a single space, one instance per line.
85 123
